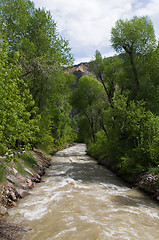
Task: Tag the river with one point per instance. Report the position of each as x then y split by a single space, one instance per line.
80 200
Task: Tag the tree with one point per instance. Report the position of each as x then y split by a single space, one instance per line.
18 124
42 52
134 37
109 72
87 98
32 31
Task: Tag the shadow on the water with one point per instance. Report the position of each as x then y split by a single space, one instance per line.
132 201
86 172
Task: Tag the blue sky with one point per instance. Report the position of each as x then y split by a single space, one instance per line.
87 23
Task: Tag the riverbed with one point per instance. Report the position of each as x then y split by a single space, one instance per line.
81 200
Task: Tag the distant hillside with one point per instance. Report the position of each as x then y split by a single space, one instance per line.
79 70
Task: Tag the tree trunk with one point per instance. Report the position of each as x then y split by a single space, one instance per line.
106 90
134 70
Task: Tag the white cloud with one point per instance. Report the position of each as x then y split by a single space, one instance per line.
90 58
87 23
150 9
83 59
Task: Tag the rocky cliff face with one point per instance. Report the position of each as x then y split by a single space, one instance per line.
82 67
79 70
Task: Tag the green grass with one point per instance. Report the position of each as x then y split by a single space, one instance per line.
29 160
20 167
2 173
26 159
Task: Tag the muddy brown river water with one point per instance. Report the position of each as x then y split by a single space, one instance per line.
80 200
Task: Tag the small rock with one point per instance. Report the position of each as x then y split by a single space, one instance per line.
14 171
9 168
10 185
30 183
28 171
3 210
36 178
12 204
12 194
22 193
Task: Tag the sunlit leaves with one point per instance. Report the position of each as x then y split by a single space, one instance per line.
35 77
15 119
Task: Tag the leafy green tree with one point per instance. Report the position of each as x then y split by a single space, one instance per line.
18 125
42 50
130 145
87 98
150 83
109 71
63 124
135 37
33 33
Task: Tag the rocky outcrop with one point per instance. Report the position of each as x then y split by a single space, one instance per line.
79 70
149 183
82 67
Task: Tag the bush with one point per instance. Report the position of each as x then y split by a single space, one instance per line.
130 142
98 149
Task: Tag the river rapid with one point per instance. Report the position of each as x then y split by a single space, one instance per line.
80 200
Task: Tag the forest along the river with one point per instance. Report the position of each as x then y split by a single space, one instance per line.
79 199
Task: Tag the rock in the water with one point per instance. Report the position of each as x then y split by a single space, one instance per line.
22 193
36 178
12 194
3 210
30 183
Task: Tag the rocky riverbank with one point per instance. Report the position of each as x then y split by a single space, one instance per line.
149 183
20 177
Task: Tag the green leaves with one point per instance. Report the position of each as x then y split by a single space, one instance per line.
87 93
135 40
134 36
34 78
87 98
119 127
16 125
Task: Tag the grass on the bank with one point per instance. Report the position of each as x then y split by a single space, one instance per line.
29 159
20 167
26 159
2 173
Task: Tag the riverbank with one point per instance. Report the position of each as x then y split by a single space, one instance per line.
147 182
17 179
